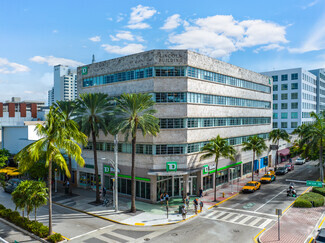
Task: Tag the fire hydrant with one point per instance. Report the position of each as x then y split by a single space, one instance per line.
223 195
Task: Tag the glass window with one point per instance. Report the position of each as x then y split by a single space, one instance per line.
294 96
275 96
294 115
294 124
294 105
284 77
247 168
275 106
275 125
284 115
275 115
284 96
275 87
284 86
294 76
294 86
284 106
275 78
284 125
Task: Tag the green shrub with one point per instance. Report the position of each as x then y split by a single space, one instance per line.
319 190
14 217
6 213
55 238
302 203
2 207
314 199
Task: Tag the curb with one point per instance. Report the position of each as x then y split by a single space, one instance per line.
138 224
23 231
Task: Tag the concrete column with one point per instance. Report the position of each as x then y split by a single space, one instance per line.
185 185
22 109
199 179
11 109
214 180
241 170
153 189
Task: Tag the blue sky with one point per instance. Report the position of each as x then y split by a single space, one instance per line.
253 34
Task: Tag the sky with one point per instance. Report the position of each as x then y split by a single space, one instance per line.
258 35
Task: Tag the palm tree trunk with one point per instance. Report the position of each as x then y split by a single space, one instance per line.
321 161
49 181
70 178
253 165
35 213
215 180
277 155
96 166
133 208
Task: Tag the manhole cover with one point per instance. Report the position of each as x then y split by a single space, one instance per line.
174 234
146 239
248 205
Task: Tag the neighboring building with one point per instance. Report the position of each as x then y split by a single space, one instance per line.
65 85
197 98
294 97
320 76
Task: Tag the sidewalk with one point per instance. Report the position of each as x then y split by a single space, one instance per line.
147 214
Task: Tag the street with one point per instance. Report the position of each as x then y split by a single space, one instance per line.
236 220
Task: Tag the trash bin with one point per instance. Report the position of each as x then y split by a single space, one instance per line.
180 209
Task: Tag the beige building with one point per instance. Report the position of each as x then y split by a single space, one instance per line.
197 98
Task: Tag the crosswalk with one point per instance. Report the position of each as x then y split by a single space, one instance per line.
239 218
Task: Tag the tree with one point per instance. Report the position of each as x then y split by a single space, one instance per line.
218 147
276 135
19 196
66 110
4 156
53 140
91 115
37 195
257 145
133 112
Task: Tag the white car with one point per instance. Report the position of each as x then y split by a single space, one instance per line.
300 161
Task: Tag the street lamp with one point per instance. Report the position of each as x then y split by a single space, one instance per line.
56 180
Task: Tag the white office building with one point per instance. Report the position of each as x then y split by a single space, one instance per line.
294 97
320 81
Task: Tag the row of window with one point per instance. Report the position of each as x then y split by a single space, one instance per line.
167 148
308 97
309 79
285 96
209 99
308 106
285 125
285 86
174 72
305 114
284 106
284 115
308 88
284 77
211 122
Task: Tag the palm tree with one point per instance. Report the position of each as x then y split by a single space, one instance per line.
257 145
53 140
91 114
37 195
217 147
133 112
19 196
66 110
276 135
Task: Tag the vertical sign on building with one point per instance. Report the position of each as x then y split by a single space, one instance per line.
205 169
171 166
84 70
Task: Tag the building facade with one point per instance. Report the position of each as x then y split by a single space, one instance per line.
65 85
294 97
320 90
197 98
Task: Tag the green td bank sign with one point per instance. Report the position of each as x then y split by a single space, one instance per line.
84 70
171 166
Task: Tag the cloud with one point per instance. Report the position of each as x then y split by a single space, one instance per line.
310 4
55 31
109 19
138 15
52 61
128 49
7 67
95 38
220 35
120 17
172 22
125 35
269 47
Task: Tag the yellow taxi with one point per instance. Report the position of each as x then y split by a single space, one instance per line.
268 177
251 186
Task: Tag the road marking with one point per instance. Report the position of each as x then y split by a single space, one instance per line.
120 236
221 215
266 223
229 216
255 238
212 213
78 236
3 240
269 200
254 222
247 211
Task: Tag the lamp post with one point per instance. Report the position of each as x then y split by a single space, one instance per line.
56 180
116 171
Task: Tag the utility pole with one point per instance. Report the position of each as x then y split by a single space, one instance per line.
116 171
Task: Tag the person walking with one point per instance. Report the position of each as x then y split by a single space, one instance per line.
104 192
183 213
195 203
201 206
201 192
187 202
166 198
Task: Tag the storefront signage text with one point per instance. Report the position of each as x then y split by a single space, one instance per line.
108 169
84 70
171 166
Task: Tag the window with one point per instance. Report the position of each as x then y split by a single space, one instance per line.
284 115
294 105
275 106
275 78
294 124
294 115
284 125
294 86
284 106
275 87
275 96
284 96
284 86
275 115
294 96
294 76
275 125
284 77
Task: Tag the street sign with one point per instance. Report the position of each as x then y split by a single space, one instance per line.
278 212
314 183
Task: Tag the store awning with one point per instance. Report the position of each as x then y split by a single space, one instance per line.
284 152
173 173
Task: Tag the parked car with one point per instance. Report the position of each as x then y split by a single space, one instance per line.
268 177
290 166
300 161
281 170
251 186
320 238
12 184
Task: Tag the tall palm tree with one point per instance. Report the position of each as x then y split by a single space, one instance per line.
257 145
218 147
91 115
133 112
66 111
53 140
276 135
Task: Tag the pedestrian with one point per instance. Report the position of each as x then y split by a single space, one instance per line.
195 203
201 206
183 213
187 201
166 198
161 198
201 192
104 192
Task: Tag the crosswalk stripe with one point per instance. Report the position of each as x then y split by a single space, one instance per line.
235 218
254 221
243 221
228 216
221 215
212 214
267 221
